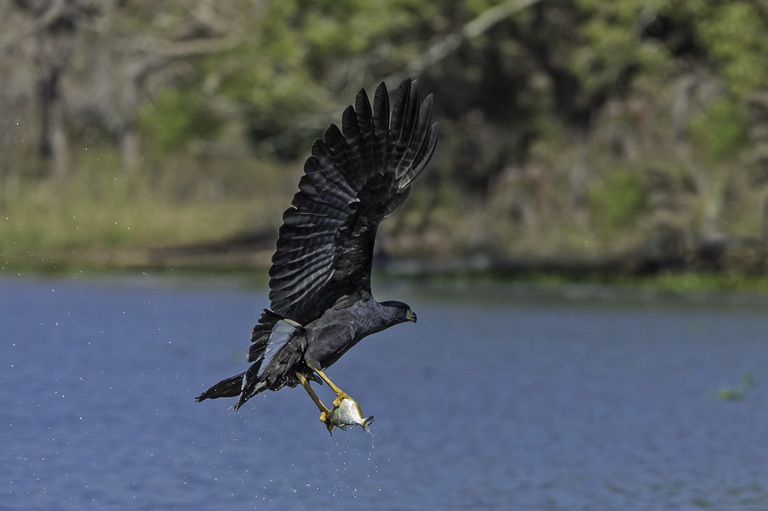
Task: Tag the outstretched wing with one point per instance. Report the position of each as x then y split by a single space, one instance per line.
355 177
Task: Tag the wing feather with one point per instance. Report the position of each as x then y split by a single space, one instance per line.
416 138
325 164
345 163
367 132
316 188
380 122
422 158
354 177
351 132
304 284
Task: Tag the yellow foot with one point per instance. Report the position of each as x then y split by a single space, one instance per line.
340 397
325 418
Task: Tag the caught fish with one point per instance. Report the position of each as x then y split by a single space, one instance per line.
347 413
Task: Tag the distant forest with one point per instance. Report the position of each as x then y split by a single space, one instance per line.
620 133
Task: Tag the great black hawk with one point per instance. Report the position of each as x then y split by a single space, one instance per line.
320 280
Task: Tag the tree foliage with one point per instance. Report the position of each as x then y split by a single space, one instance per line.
579 116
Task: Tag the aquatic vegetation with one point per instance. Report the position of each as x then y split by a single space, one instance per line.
737 393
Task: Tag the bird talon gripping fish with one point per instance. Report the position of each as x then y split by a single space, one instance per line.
320 280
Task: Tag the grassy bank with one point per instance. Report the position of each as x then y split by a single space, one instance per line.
99 210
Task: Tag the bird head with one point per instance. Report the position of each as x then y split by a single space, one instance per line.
399 312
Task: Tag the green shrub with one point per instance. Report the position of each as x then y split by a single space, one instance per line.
174 118
617 199
720 131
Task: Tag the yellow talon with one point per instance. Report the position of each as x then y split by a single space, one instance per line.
336 416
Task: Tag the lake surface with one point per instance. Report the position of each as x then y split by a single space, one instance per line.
498 398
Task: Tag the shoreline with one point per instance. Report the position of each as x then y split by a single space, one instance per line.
714 265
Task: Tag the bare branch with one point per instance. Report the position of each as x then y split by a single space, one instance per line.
185 49
472 29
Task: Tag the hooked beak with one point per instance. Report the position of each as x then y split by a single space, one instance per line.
410 316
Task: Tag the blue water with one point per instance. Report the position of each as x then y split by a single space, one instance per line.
524 400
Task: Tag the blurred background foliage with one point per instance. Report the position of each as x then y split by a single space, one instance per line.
578 130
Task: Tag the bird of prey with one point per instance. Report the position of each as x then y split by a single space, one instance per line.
320 279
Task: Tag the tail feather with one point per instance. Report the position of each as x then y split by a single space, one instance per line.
229 387
247 384
244 386
260 335
250 386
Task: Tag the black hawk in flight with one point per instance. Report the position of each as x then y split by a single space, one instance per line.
320 280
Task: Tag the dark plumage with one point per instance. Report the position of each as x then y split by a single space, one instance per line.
320 279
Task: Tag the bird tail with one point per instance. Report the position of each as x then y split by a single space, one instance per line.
246 385
229 387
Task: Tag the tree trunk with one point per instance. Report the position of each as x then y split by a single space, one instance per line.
135 74
129 146
765 224
53 142
578 180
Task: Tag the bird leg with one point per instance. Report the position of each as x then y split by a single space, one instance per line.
325 416
340 394
346 411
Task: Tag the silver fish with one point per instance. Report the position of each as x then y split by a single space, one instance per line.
347 413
